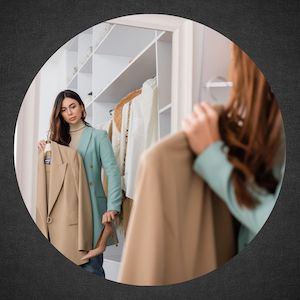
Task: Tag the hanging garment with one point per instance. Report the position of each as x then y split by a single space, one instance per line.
126 210
178 229
119 130
63 212
120 126
150 111
142 125
124 141
142 132
118 113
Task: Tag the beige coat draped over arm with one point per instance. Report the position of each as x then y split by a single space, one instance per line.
178 228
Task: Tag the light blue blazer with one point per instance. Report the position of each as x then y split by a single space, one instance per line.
96 151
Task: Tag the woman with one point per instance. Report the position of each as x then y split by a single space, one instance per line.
68 127
240 153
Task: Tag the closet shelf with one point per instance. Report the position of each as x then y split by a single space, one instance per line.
138 71
104 38
166 108
121 41
86 67
73 46
218 84
107 42
165 36
88 105
72 83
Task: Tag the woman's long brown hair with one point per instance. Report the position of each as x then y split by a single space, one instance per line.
59 128
251 128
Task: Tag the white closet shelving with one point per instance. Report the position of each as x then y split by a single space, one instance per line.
108 61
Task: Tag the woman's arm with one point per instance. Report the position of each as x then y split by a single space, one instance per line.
213 166
202 131
101 244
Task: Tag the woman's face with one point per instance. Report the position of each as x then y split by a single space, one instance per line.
71 111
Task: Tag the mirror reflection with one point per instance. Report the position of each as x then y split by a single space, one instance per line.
155 134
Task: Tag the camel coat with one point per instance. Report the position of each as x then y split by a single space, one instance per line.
63 211
178 229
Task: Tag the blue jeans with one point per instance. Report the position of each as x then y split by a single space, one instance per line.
95 265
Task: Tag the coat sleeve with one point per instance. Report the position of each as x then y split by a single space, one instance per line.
85 229
112 172
213 166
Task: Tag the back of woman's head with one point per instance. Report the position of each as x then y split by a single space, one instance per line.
59 128
251 127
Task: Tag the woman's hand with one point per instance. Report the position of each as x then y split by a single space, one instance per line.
101 244
201 127
94 252
108 216
41 145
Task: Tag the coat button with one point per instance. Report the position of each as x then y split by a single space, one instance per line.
90 183
91 166
49 220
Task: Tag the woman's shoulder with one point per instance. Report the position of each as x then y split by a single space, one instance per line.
99 133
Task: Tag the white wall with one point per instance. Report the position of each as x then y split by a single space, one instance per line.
33 123
216 59
52 81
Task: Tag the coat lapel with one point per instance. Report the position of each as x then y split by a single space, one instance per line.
85 140
57 175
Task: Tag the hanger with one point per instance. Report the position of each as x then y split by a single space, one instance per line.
47 147
118 108
47 153
48 143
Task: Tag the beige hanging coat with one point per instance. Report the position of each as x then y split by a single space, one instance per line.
178 229
63 212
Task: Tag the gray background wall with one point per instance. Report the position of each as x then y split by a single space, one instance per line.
31 31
